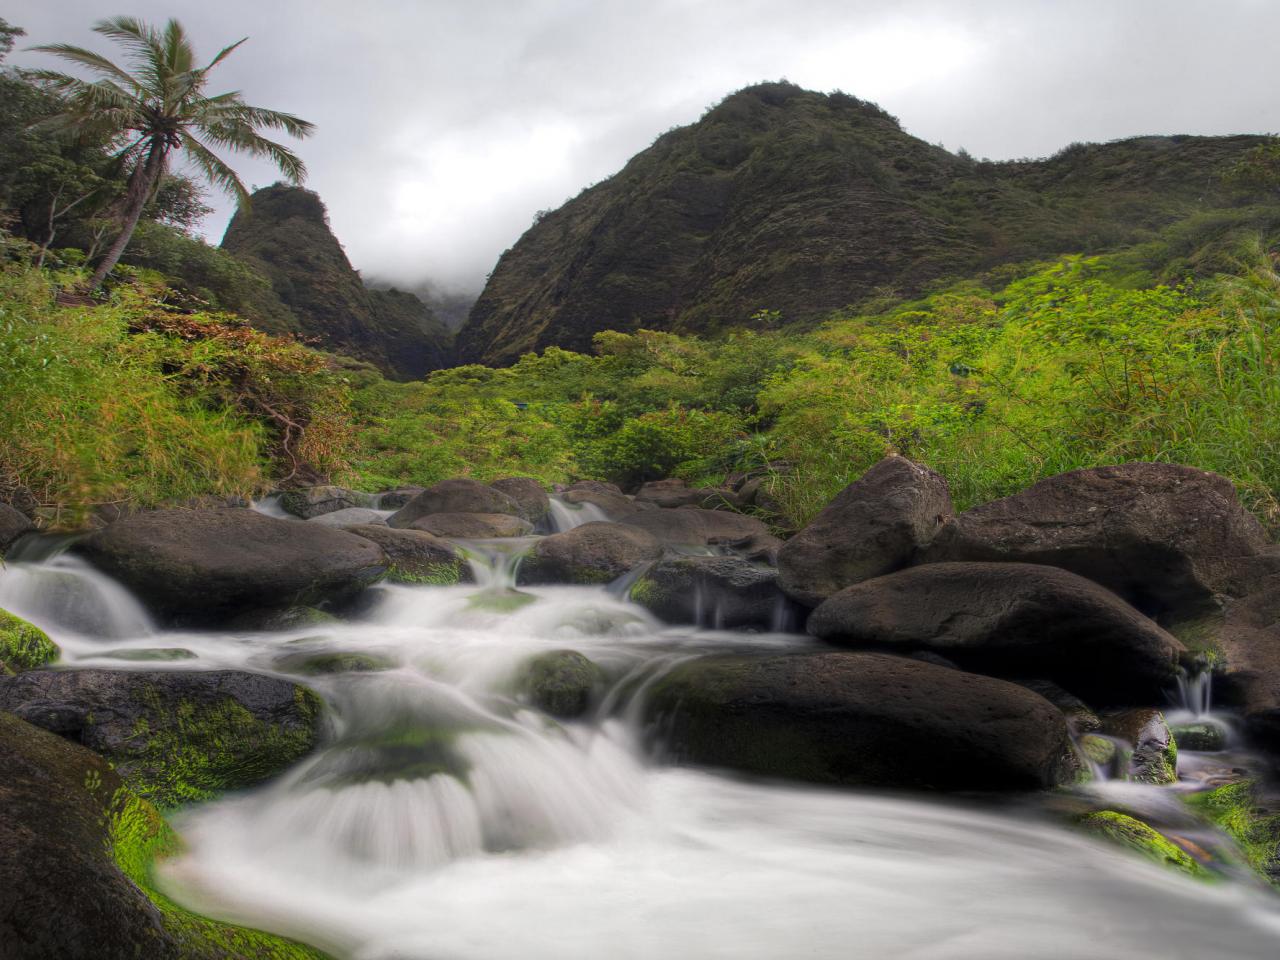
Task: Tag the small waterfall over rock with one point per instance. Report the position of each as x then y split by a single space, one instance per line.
566 516
62 592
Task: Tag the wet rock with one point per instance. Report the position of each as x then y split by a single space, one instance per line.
606 496
200 566
562 683
318 664
350 517
1249 812
875 526
1009 619
1080 717
674 492
472 526
530 497
311 502
148 654
720 592
1099 750
1132 834
745 535
23 645
861 718
593 552
13 525
1151 532
174 736
76 848
416 556
1154 756
1202 735
454 496
281 619
397 498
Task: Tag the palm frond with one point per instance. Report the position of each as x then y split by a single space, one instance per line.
178 55
272 119
214 169
223 54
143 44
93 61
243 138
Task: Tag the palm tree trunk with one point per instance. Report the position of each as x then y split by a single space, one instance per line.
142 183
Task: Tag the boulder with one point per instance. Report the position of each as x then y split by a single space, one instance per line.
606 496
1153 755
76 848
1009 619
674 493
310 502
13 525
397 498
861 718
719 592
1199 735
281 618
23 645
462 495
200 566
174 736
593 552
876 525
1134 835
744 535
529 496
350 517
416 556
472 526
560 682
1151 532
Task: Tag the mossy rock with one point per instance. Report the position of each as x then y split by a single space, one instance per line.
1126 831
1203 735
76 878
1251 818
23 646
149 654
287 618
1098 749
318 664
400 753
561 682
501 601
174 737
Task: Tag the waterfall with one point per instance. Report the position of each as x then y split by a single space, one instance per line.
566 516
64 594
1195 690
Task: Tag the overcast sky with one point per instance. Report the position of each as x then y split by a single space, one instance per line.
444 125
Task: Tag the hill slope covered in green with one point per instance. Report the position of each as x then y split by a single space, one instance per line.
785 204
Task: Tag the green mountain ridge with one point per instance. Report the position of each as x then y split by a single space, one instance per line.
780 199
284 234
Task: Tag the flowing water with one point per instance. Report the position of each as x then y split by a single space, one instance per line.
444 819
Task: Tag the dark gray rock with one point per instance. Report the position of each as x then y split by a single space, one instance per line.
746 536
472 526
13 525
417 556
349 517
861 718
1151 532
201 566
673 493
561 682
397 498
876 525
590 553
310 502
1153 756
174 736
1009 619
719 592
529 496
461 495
606 496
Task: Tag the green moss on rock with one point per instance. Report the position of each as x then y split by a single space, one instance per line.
23 646
1125 831
317 664
1240 810
561 682
445 574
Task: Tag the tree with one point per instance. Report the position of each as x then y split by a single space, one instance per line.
156 108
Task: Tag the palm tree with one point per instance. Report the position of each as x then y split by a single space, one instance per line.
157 107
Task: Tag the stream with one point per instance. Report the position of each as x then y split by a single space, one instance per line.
445 820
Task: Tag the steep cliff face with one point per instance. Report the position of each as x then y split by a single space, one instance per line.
785 200
285 234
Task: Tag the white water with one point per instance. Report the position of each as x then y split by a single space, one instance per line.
446 820
566 516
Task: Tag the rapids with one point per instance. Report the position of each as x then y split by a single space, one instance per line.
445 819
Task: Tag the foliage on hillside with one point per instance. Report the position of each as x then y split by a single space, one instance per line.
284 235
134 402
798 203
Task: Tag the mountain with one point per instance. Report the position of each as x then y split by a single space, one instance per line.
284 234
780 199
451 307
